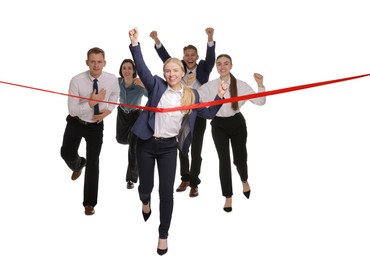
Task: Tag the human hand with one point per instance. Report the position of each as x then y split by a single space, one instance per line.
191 77
134 34
153 35
103 113
138 81
210 32
222 88
96 97
259 79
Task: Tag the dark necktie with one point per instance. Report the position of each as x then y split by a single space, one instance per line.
95 87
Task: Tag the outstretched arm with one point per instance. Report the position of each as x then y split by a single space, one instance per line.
207 65
142 70
133 35
161 50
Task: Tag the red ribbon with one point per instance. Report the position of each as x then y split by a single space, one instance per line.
206 104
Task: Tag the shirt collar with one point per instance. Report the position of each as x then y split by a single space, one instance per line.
193 70
181 91
91 77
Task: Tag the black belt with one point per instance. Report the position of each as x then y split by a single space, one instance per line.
84 122
163 138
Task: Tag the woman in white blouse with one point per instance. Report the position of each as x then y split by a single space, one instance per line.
229 125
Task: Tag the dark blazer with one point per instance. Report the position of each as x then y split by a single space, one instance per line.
156 86
204 67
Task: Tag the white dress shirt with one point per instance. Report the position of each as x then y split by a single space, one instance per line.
168 124
81 85
209 90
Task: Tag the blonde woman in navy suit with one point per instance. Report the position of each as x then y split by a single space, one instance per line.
160 134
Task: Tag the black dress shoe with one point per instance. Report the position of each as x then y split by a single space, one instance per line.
247 193
130 185
228 209
147 215
77 172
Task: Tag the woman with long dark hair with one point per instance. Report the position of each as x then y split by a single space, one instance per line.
229 126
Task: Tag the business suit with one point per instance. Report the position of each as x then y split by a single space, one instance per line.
204 67
164 151
203 71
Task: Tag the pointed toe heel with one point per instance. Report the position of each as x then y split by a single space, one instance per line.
147 215
162 251
247 193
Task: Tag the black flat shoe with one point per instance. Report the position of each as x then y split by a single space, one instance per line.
147 215
247 193
228 209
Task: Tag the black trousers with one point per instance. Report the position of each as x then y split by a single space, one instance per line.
226 130
125 121
192 174
164 152
93 135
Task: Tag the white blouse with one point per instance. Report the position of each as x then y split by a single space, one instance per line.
209 90
168 124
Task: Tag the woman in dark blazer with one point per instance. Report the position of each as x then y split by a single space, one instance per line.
161 133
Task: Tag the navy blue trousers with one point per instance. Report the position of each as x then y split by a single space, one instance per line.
164 153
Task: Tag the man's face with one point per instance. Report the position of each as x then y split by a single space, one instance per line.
96 63
190 58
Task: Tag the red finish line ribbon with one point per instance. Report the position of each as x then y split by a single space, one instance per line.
206 104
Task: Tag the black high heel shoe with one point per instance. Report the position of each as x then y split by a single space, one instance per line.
247 193
228 209
162 251
147 215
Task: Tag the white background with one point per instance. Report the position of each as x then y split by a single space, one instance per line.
308 150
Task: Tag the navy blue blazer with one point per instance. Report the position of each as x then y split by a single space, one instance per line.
204 67
156 86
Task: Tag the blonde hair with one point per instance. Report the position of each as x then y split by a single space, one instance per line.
188 97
